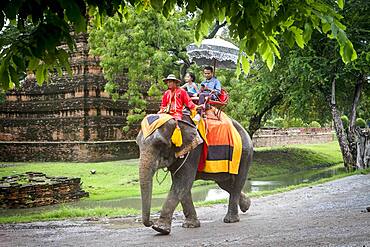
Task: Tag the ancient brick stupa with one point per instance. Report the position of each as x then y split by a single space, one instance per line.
33 189
71 118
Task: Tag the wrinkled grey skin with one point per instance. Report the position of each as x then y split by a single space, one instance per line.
157 151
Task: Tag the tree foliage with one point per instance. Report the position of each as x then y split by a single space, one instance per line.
306 76
260 27
145 47
141 49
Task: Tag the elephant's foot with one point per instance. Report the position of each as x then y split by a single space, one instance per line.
244 203
191 223
162 227
231 218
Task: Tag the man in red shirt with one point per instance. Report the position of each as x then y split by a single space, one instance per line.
175 98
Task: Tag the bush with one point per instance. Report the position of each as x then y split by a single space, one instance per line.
360 123
154 90
296 122
315 124
345 121
269 123
2 96
279 122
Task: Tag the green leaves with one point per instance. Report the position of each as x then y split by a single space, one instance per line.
201 30
157 4
41 74
4 76
340 3
307 32
270 59
298 33
143 49
245 64
347 52
266 24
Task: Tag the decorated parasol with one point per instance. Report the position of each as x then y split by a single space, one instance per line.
217 52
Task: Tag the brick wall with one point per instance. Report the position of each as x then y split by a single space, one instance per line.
279 140
68 151
127 149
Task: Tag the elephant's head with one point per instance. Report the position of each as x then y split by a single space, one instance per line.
157 151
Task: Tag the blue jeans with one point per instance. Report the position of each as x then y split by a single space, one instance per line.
203 95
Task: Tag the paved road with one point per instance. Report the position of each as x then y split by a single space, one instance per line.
331 214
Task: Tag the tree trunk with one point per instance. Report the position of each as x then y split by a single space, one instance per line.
339 129
255 120
184 70
215 29
352 119
363 148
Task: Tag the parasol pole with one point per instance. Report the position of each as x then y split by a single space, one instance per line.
214 67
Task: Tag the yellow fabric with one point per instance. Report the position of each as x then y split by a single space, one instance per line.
216 166
148 129
201 126
234 139
202 130
176 137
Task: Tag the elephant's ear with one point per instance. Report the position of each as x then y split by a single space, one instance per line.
190 138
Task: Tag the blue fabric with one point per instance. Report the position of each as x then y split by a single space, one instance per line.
213 84
152 118
202 97
191 89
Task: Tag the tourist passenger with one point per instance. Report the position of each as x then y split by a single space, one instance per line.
175 98
190 85
210 87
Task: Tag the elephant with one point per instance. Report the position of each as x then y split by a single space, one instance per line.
157 151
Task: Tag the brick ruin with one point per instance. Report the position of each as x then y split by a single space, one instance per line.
268 137
71 118
34 189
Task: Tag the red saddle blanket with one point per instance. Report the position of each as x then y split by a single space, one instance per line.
222 147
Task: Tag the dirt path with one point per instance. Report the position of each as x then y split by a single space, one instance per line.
331 214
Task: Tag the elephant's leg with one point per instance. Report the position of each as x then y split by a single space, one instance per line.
191 219
180 190
232 211
234 187
244 202
163 224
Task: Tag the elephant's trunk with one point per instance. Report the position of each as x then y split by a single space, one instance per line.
146 173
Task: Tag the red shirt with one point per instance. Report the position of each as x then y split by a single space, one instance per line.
176 100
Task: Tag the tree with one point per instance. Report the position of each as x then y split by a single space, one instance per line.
280 92
317 81
256 24
143 48
348 81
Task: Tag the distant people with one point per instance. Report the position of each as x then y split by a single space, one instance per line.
190 85
175 98
211 87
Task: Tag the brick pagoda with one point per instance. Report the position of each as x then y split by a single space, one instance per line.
71 118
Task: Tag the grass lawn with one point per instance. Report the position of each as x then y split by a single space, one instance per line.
117 179
270 161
